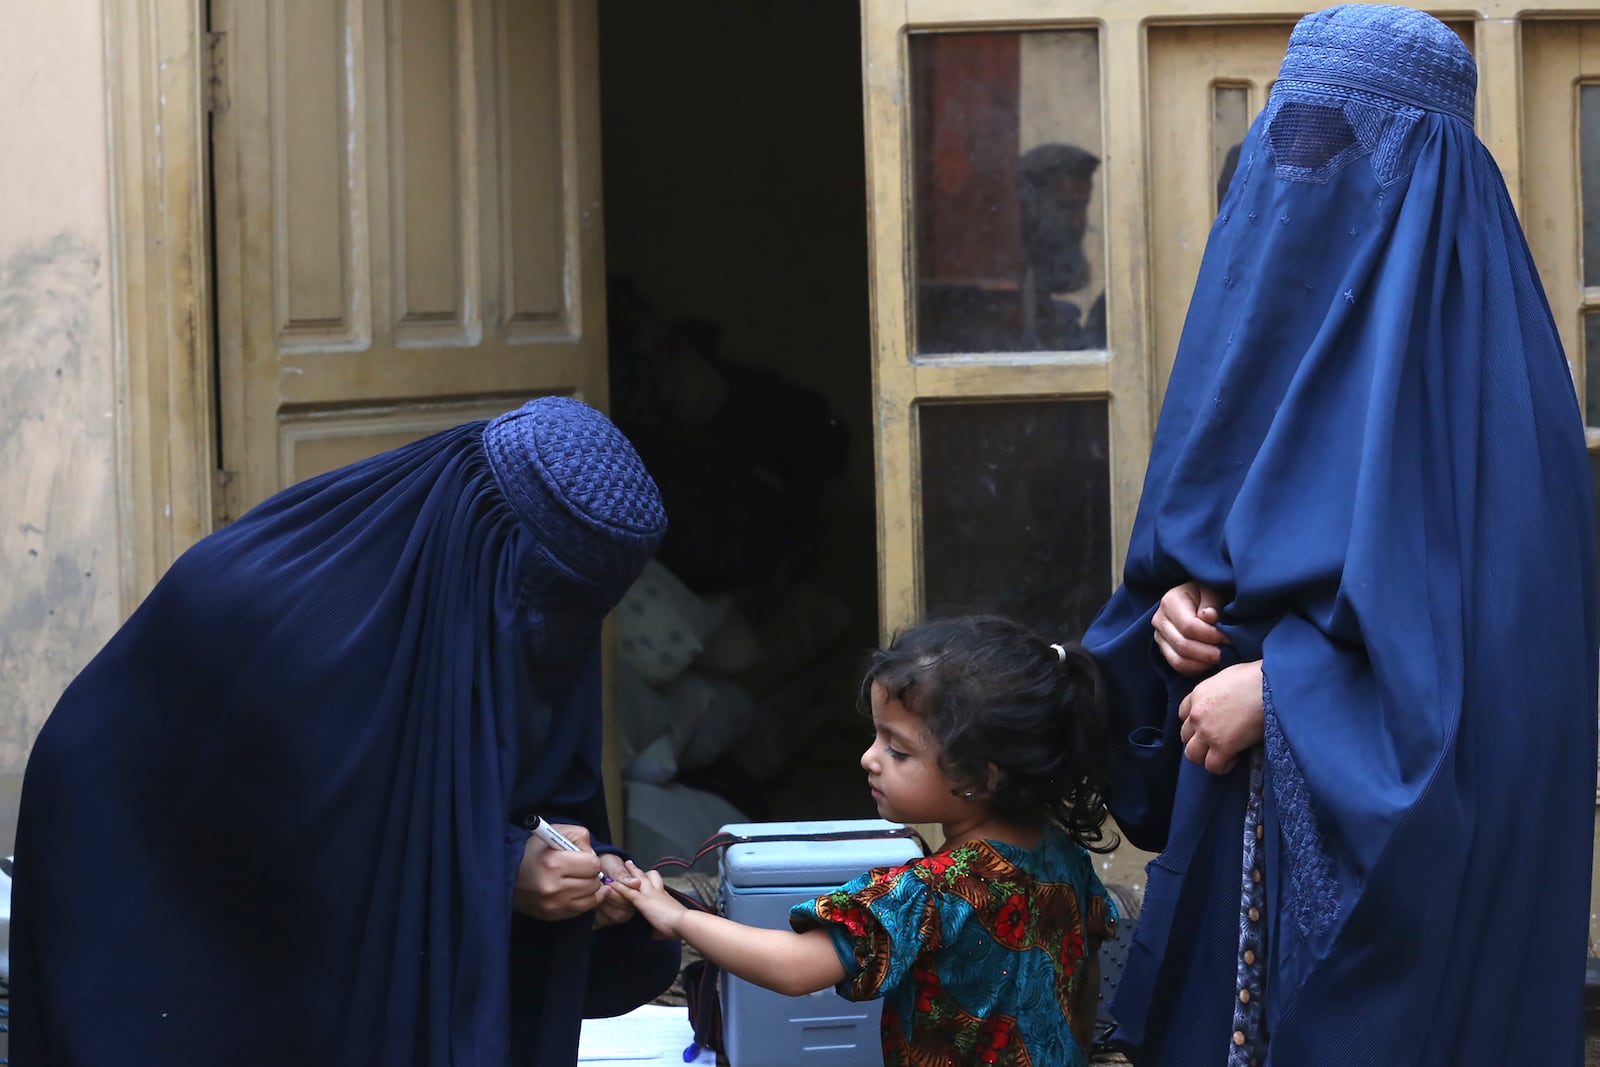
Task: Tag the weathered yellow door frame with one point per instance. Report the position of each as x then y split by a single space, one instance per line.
156 89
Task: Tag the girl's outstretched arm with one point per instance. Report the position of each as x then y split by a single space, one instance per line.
780 960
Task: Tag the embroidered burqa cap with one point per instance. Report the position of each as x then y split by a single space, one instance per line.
292 786
579 485
1396 53
1371 448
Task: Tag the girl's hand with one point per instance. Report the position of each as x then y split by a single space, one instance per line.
555 884
644 891
1223 717
1186 630
611 907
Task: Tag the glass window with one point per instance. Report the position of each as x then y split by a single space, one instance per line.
1016 510
1230 121
1589 156
1591 364
1594 472
1008 217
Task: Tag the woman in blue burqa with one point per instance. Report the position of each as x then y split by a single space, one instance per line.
279 818
1370 473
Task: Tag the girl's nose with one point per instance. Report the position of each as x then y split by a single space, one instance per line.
866 757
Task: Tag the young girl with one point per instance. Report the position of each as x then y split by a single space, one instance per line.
984 952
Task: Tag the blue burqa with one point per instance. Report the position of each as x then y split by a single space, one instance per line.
278 819
1371 448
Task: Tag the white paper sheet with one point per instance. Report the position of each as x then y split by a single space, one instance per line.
653 1034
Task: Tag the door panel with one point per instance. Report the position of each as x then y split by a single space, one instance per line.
1561 124
1207 84
1008 220
407 223
1004 360
1561 186
432 157
1009 238
316 441
1016 510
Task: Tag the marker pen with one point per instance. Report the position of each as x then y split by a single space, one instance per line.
554 838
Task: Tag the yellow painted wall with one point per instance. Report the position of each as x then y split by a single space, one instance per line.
59 556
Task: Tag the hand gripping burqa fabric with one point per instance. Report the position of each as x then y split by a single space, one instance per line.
277 820
1371 448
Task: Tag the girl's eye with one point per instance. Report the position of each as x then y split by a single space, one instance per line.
894 754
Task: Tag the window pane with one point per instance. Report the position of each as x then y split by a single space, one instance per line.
1016 511
1009 222
1230 121
1591 368
1594 472
1589 154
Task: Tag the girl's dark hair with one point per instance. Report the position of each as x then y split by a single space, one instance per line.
991 691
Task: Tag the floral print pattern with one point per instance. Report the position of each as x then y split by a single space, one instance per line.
979 952
1011 925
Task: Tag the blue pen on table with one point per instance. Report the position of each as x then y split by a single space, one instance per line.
542 829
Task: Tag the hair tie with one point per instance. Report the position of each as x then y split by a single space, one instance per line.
1061 652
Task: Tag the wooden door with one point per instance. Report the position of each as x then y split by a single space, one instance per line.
1207 84
1561 122
407 223
1561 144
408 229
1013 409
1010 457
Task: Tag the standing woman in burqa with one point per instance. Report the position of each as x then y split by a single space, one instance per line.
279 818
1372 783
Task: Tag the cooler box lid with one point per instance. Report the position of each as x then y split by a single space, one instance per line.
810 863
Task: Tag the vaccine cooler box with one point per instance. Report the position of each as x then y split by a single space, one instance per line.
759 882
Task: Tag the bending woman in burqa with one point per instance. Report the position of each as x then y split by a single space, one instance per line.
279 818
1371 460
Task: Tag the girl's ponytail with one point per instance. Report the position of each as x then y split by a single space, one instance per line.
1083 715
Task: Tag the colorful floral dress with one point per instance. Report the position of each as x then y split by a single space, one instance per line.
980 953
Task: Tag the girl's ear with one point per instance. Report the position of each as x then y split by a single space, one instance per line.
991 783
